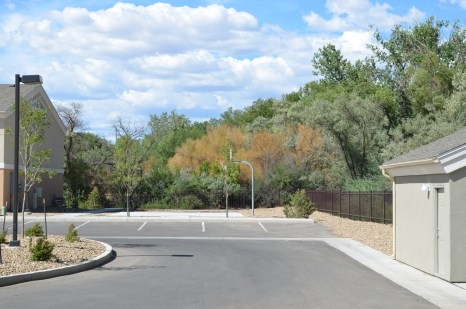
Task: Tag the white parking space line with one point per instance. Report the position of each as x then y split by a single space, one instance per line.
203 227
140 228
263 227
10 228
81 225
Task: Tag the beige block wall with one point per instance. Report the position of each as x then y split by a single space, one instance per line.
458 226
5 189
416 220
6 140
2 140
55 141
50 188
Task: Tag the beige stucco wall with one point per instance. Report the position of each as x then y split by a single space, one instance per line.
416 221
50 188
2 140
54 140
6 140
5 189
458 225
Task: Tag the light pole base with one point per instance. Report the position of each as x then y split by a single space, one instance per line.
14 243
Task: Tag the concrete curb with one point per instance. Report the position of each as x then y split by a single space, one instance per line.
176 219
100 260
165 218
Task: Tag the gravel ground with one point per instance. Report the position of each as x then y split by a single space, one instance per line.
375 235
17 260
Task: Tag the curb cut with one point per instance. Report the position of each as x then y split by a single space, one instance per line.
100 260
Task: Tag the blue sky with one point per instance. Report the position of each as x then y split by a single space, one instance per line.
134 59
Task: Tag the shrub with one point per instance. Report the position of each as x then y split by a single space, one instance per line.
72 235
3 237
41 250
93 200
299 207
36 230
191 202
156 205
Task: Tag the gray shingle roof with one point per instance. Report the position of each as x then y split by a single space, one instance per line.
432 150
7 94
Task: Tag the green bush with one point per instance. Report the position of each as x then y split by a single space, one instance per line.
41 250
3 237
72 235
191 202
299 207
156 205
93 200
36 230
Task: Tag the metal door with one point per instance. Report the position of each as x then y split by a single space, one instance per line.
441 232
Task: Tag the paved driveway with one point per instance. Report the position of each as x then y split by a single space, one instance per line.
214 265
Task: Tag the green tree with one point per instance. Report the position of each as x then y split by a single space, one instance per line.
418 131
418 64
93 200
263 109
34 122
131 154
74 168
329 63
229 173
90 166
456 104
169 131
355 125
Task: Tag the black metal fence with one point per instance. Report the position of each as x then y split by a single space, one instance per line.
363 206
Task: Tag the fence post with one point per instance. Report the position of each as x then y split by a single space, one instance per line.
384 207
331 200
320 199
359 205
339 197
349 204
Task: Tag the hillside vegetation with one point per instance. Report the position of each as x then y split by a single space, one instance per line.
331 134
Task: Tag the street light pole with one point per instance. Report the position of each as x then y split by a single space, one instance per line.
15 241
26 79
252 181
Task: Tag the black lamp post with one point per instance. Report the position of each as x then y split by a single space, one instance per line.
25 79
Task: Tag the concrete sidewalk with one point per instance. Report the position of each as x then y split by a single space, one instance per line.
437 291
174 216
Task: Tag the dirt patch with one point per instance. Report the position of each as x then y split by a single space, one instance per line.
375 235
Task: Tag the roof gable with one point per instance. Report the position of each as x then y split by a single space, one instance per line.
29 92
444 155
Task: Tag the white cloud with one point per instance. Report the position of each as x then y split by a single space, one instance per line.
461 3
133 61
10 4
353 44
126 29
359 14
221 101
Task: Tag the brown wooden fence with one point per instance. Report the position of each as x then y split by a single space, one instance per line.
363 206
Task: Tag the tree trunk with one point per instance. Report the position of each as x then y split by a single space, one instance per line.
127 203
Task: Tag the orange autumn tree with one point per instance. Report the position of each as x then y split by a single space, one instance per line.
263 149
266 149
309 145
193 153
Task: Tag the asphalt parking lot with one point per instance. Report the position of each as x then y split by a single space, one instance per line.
209 264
